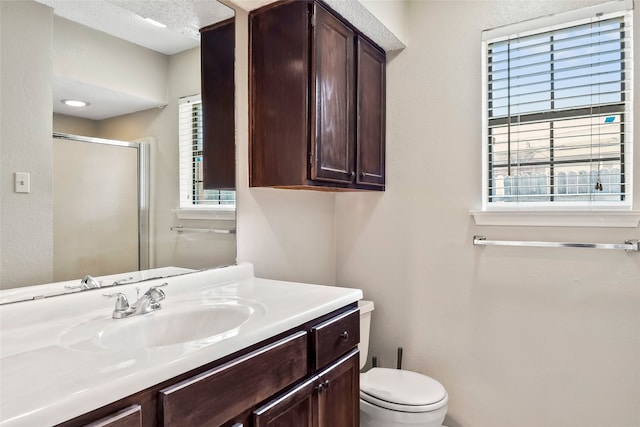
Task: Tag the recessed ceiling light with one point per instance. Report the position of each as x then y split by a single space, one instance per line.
156 23
74 103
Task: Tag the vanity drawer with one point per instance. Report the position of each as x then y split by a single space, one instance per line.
213 397
334 337
128 417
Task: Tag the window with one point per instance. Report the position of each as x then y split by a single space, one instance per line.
558 111
192 193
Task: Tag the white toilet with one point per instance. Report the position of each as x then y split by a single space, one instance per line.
396 398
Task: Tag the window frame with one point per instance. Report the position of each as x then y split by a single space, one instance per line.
537 26
190 210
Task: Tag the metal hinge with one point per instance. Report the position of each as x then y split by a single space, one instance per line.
313 20
311 158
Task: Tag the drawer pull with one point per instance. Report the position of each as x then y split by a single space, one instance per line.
238 425
344 336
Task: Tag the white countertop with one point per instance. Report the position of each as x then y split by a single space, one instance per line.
45 381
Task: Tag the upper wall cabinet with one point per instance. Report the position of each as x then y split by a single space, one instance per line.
317 101
217 51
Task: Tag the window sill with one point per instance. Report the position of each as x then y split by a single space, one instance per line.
226 213
564 218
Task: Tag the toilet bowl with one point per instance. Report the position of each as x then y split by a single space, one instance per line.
393 397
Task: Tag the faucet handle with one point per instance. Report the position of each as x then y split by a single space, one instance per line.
156 294
89 282
122 303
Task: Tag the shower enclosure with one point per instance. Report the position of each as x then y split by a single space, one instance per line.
101 200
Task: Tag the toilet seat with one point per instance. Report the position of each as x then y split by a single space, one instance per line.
402 391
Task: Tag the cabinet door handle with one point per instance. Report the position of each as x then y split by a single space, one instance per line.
238 425
321 387
344 336
353 174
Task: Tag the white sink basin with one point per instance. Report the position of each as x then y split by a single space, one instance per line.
201 322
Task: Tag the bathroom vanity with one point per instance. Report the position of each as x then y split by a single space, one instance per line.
225 349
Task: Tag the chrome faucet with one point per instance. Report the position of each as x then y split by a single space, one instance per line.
148 302
87 282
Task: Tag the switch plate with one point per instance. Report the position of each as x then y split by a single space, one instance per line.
23 184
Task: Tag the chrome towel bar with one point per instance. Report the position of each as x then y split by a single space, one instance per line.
204 230
628 245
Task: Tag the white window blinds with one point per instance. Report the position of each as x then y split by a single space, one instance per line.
192 193
558 113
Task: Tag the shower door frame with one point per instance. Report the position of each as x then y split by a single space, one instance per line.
145 243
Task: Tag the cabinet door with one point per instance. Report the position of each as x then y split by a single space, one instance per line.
279 61
370 165
339 398
333 114
218 102
296 408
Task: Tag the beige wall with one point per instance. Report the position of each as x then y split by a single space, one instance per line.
75 125
524 337
25 143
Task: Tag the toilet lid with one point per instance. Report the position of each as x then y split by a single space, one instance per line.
398 388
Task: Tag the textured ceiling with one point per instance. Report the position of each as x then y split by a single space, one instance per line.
125 19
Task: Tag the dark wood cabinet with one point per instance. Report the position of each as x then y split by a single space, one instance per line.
305 377
217 52
317 100
329 399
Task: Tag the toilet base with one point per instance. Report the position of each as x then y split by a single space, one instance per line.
373 416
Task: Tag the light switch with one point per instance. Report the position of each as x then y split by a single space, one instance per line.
22 182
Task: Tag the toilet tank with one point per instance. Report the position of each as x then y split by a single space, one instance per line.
366 307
